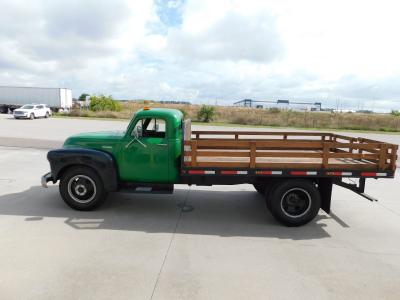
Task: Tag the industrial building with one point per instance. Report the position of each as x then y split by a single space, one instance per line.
281 104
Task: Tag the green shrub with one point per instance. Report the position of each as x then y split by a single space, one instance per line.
395 113
104 103
274 110
206 113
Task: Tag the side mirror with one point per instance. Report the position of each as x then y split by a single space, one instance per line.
137 132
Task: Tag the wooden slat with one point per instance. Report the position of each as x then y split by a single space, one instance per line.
353 155
290 154
325 155
382 156
253 150
289 165
194 150
294 133
218 154
223 164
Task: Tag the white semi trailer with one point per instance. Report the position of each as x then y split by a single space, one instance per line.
14 97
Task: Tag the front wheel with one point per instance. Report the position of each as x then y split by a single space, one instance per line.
32 116
295 202
47 115
82 189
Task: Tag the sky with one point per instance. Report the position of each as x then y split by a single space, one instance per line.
345 54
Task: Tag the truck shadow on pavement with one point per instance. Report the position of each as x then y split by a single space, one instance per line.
220 213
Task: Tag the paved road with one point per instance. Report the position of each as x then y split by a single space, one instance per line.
145 247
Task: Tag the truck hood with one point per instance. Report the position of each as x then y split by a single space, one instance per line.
97 140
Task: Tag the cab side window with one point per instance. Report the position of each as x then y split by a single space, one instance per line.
151 127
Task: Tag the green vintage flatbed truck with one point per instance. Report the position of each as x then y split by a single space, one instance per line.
294 171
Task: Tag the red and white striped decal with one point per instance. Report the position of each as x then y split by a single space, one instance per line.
269 172
303 173
373 174
201 172
233 172
339 173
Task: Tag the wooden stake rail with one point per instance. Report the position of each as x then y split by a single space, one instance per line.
299 150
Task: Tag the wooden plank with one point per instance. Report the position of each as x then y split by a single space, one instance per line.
223 164
325 155
353 155
355 146
289 165
290 154
352 167
288 133
218 153
393 157
382 156
253 153
194 150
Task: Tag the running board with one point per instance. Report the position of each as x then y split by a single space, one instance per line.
144 188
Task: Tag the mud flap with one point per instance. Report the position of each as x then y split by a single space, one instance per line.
325 189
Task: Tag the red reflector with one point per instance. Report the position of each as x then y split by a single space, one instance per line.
334 173
298 173
229 172
264 172
368 174
196 172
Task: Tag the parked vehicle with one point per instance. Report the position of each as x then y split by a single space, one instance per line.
14 97
294 171
32 111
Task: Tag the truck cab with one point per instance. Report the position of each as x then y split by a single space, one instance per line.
147 151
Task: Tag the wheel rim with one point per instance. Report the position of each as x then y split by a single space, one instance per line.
296 202
82 189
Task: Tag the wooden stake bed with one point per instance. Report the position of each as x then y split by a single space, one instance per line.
286 151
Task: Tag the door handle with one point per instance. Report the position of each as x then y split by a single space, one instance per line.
162 145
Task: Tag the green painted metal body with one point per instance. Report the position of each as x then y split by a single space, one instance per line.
145 159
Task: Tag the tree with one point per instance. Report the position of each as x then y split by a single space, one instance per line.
83 97
101 103
206 113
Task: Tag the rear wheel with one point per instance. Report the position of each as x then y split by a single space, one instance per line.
32 116
47 115
294 202
82 189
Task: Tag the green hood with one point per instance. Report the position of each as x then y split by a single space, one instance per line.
103 140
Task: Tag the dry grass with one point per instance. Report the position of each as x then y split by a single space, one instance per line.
267 117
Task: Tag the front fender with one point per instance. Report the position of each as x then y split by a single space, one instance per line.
103 163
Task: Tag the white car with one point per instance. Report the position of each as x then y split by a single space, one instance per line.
32 111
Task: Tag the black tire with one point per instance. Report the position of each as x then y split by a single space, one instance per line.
32 116
47 115
260 188
82 189
294 202
268 192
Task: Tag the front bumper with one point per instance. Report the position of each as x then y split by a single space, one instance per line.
46 178
21 116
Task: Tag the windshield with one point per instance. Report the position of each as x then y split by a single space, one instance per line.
27 106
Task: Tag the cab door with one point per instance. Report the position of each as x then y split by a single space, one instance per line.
145 153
